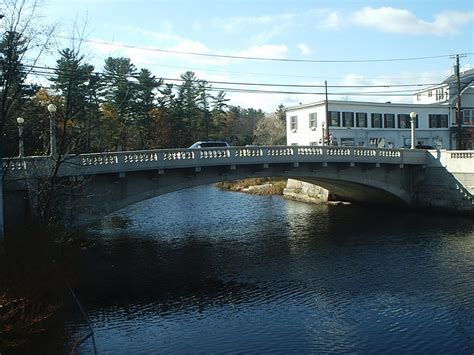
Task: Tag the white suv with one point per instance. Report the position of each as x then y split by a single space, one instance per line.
210 144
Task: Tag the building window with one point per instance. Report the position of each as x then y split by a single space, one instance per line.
373 142
403 120
334 118
313 143
468 116
439 94
389 120
430 93
313 121
361 119
418 97
348 142
438 121
376 119
294 123
348 119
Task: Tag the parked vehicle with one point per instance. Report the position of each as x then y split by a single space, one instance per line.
210 144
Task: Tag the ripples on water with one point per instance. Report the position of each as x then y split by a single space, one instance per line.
205 270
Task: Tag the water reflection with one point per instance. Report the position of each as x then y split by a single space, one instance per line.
205 270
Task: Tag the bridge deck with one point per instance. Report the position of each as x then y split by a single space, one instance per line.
115 162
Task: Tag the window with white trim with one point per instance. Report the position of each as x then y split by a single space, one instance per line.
438 121
313 120
376 119
361 119
293 123
403 120
439 94
468 116
389 120
334 118
348 119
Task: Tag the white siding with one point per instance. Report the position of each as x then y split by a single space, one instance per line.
368 136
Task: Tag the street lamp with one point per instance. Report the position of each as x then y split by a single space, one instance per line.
412 121
21 149
323 124
52 127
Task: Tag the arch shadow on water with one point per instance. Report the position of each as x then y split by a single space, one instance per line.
207 270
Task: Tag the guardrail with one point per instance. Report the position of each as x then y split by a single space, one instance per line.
107 162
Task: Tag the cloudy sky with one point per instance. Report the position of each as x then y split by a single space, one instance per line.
303 42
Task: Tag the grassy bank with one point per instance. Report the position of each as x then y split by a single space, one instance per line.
257 186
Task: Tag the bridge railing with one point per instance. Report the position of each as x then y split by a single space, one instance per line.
100 163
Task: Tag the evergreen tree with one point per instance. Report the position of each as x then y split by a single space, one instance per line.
12 88
120 93
144 104
219 116
72 81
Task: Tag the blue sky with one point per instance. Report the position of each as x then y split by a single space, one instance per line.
299 29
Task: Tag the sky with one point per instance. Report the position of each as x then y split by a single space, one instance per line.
300 42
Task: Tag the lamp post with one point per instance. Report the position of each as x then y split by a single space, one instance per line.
323 124
52 127
412 121
21 147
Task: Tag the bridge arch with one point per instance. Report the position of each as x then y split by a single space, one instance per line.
107 193
101 183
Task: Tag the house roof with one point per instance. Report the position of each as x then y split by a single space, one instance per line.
361 103
466 78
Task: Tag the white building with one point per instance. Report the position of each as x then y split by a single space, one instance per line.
372 124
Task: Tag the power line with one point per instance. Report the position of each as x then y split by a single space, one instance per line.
48 71
260 58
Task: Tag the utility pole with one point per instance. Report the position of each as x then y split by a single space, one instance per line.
326 136
458 103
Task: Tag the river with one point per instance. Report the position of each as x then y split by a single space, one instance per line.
210 271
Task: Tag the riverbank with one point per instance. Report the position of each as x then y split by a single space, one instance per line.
256 186
288 188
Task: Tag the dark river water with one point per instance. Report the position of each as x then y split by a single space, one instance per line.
210 271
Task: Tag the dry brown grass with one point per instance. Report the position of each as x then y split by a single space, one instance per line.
21 319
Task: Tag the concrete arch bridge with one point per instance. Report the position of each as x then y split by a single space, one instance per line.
94 185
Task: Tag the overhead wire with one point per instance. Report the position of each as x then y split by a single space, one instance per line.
45 71
171 51
50 72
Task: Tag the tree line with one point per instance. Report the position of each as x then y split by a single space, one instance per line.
120 108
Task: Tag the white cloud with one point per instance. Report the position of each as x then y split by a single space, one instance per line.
237 23
265 51
149 55
304 48
197 26
331 20
391 20
384 94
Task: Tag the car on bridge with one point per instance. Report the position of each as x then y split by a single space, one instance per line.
210 144
424 146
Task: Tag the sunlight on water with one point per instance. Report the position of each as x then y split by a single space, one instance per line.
210 271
